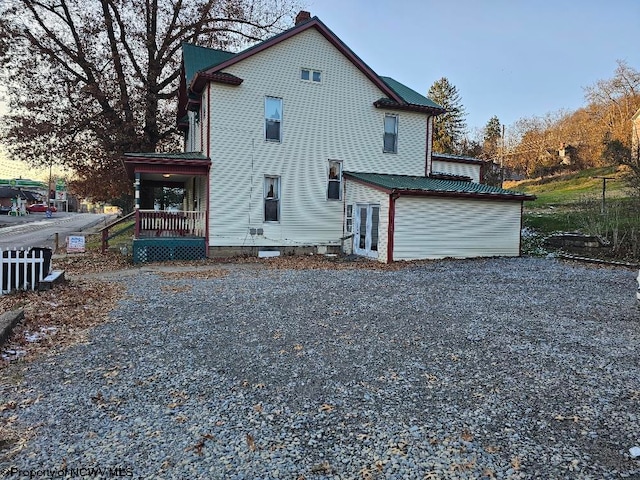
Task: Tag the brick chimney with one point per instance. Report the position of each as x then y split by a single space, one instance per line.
302 16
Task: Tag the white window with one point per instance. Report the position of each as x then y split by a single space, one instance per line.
334 189
271 199
390 142
309 75
273 119
349 216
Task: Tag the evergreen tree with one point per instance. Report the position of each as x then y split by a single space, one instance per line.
491 138
450 127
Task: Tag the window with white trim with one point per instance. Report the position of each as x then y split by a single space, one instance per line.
349 217
273 119
271 199
390 142
334 188
309 75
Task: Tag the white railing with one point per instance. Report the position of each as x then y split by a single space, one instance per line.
22 269
170 224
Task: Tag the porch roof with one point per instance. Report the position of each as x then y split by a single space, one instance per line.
184 163
426 186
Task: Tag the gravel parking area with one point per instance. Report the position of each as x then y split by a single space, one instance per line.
498 368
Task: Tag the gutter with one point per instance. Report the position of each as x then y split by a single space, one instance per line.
393 196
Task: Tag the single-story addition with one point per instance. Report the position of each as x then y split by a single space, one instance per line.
400 217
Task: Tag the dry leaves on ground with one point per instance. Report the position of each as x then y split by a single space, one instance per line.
57 318
91 262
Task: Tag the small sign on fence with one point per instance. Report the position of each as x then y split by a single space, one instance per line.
75 244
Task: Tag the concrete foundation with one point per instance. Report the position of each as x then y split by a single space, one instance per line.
226 252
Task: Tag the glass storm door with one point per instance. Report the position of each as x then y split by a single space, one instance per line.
365 238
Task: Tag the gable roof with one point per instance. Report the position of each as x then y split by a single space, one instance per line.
198 58
397 95
426 186
409 95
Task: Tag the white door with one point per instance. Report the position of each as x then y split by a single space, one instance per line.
365 222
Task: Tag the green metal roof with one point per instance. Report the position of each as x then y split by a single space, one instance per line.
200 58
433 185
409 95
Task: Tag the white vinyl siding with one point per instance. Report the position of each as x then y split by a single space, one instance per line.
241 158
432 227
471 170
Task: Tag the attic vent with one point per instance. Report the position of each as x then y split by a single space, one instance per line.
302 16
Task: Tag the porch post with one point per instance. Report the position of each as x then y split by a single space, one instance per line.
137 223
136 184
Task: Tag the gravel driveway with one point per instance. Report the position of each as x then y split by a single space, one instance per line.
498 368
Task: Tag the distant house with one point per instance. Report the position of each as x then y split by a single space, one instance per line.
567 154
296 145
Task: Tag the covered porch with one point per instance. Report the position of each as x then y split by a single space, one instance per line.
171 205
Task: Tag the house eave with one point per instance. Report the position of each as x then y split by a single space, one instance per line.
139 163
409 107
201 78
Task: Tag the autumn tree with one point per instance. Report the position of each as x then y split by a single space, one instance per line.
448 128
616 100
90 79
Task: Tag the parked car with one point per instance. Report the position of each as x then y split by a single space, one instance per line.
4 210
40 207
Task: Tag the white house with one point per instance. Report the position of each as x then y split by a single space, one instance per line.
296 145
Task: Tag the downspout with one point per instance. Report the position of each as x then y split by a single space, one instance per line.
520 232
206 220
393 196
427 150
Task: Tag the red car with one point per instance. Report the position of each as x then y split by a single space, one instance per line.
40 207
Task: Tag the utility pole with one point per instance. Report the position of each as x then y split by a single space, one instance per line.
502 159
604 191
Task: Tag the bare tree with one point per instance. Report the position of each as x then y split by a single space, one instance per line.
90 79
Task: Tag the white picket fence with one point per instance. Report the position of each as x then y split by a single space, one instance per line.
21 269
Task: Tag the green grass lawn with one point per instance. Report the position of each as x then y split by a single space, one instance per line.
567 189
94 241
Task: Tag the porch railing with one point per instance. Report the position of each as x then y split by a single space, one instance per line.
153 223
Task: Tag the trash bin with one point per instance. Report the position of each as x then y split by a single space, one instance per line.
39 252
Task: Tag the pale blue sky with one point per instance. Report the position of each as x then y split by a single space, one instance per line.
510 58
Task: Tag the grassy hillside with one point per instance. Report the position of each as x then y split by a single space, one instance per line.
571 188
